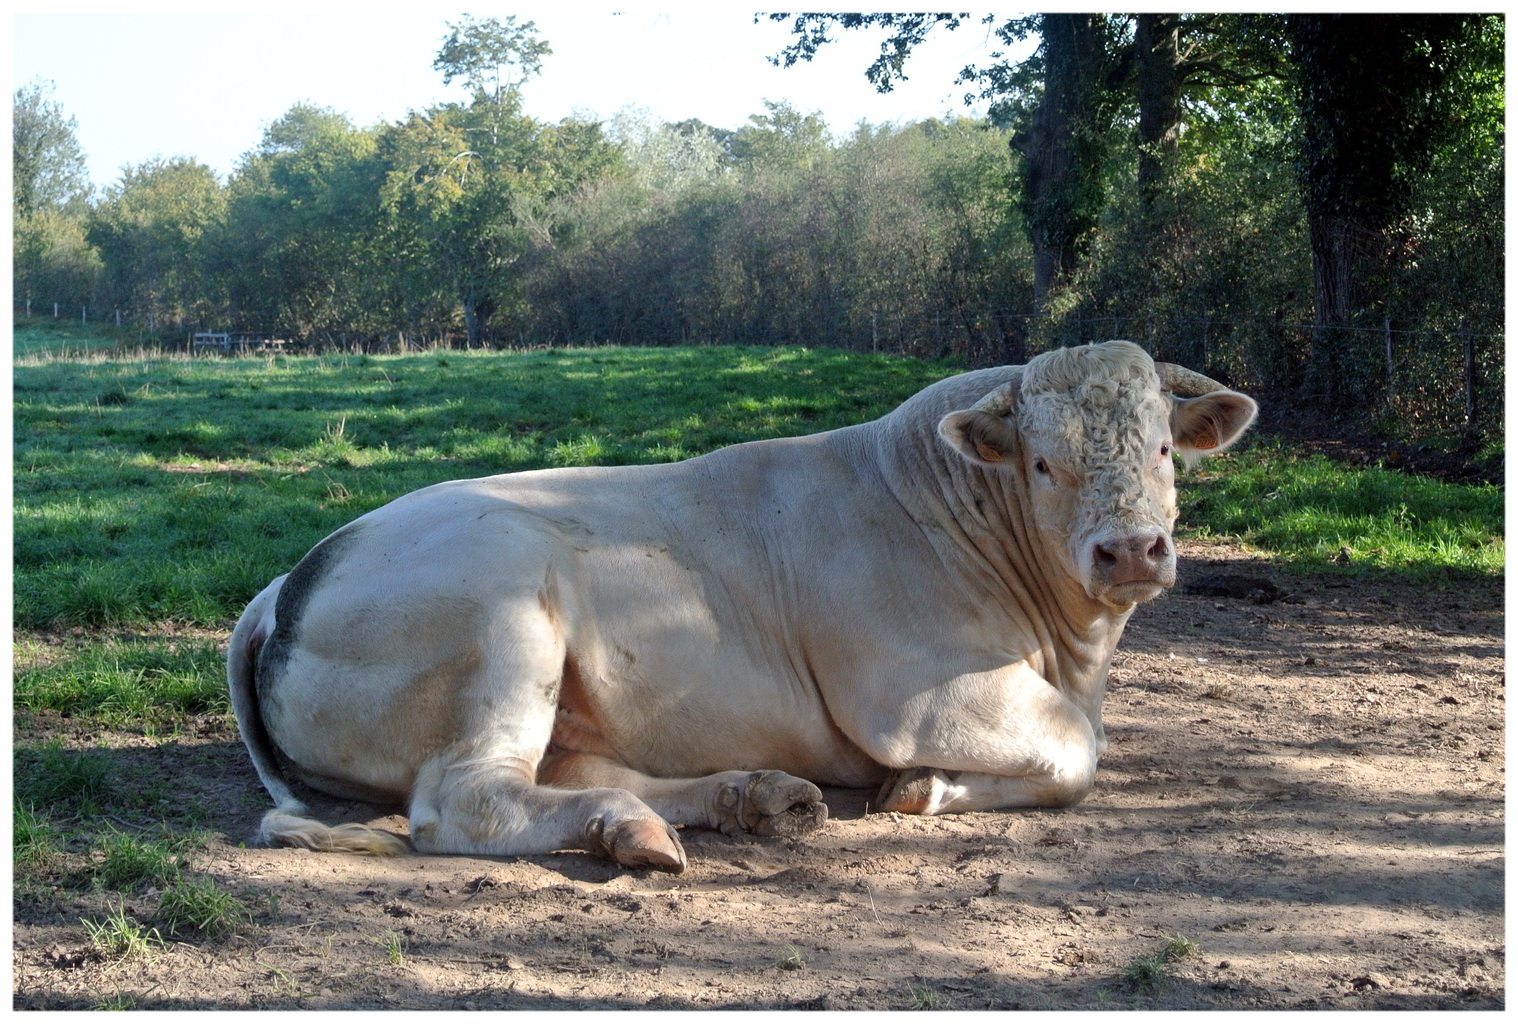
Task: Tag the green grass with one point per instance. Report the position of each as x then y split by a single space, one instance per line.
120 680
1146 971
789 958
1313 512
42 334
195 903
51 776
35 841
123 862
394 948
119 937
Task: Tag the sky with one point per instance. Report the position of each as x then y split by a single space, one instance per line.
140 85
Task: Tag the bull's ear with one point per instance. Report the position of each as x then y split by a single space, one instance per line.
979 436
1209 423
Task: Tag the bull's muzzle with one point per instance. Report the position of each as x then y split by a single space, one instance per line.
1132 567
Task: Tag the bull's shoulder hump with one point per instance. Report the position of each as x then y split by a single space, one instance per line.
952 393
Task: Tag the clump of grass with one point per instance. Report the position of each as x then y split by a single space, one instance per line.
52 776
584 450
117 1000
335 446
1146 971
1178 947
395 951
35 842
198 904
119 937
789 958
923 998
130 862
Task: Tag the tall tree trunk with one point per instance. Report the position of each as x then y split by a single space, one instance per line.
1337 251
1158 69
1365 86
1062 172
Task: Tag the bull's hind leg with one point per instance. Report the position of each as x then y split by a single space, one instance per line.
480 794
766 803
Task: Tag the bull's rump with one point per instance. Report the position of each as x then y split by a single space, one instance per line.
650 602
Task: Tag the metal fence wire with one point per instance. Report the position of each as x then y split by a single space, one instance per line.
1428 377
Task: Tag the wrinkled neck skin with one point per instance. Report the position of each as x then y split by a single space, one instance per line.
981 525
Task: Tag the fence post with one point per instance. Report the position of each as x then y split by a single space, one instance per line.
1469 351
1391 379
84 318
55 311
118 319
874 332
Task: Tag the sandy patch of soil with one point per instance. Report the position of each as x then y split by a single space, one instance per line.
1310 789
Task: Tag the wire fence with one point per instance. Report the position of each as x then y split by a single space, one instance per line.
1429 377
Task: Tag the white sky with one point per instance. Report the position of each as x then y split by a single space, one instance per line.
141 85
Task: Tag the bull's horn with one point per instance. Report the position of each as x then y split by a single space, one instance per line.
1000 401
1186 383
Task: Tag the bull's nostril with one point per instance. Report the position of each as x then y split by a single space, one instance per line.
1160 551
1104 556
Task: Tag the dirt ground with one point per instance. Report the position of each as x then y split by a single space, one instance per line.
1309 789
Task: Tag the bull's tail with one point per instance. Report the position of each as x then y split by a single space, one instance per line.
286 824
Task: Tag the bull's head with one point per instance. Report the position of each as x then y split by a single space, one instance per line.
1089 433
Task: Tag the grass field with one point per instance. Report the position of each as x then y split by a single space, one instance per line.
65 335
154 496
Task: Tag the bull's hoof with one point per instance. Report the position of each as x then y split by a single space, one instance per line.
640 843
771 803
912 791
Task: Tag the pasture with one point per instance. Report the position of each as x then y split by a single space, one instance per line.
1302 805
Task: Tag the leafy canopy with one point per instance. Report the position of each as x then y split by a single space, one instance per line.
484 52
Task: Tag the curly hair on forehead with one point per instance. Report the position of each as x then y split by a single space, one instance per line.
1107 364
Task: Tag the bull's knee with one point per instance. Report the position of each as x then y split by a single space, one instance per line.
1069 786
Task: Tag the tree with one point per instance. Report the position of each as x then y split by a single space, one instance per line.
1371 91
156 232
1064 101
781 136
1059 102
482 51
47 165
467 187
51 261
303 227
1064 145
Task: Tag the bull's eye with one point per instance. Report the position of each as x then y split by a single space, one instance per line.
1164 450
1041 467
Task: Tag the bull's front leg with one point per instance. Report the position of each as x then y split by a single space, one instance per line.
993 742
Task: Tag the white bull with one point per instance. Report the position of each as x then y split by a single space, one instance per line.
583 658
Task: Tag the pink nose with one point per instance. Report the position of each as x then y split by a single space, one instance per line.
1137 558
